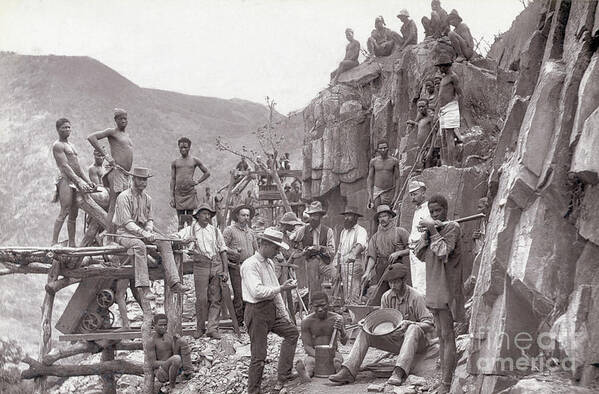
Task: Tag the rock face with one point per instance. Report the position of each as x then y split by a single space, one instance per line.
529 121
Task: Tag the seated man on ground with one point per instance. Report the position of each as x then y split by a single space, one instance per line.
408 339
169 355
461 38
317 329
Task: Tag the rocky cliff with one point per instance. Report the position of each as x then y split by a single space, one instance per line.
530 121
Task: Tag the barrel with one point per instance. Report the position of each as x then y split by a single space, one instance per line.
324 364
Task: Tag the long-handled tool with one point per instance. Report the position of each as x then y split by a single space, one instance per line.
137 237
230 307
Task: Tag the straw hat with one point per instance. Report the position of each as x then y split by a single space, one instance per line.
315 207
204 207
415 185
403 12
274 236
141 172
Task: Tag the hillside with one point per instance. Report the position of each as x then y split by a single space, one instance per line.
37 90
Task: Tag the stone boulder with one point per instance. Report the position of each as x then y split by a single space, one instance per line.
585 161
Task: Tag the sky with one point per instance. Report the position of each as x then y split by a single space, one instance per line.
246 49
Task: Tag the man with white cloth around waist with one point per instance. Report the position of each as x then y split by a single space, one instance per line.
417 191
448 110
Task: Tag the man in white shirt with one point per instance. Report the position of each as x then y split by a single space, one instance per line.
417 191
265 311
210 267
349 258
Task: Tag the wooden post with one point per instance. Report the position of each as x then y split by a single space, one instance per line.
173 304
146 336
46 326
227 201
275 176
108 382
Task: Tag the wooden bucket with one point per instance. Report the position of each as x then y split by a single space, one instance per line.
324 365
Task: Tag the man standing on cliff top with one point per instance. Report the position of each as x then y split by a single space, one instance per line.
184 197
448 110
71 179
119 161
383 171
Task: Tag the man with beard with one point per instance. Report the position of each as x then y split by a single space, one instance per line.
184 197
317 329
349 257
440 248
241 244
417 192
389 245
318 243
408 338
209 269
383 171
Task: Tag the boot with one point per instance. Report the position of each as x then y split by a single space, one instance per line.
179 288
344 376
397 377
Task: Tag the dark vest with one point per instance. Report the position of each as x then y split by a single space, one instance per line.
307 240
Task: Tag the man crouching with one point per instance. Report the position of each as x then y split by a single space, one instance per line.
317 329
169 355
408 339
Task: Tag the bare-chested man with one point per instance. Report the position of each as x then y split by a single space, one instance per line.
423 139
184 197
448 110
169 355
317 329
382 40
120 159
95 173
71 179
461 38
383 171
352 52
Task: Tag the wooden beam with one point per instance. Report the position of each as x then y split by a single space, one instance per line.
60 284
108 382
33 268
124 272
146 336
38 370
113 335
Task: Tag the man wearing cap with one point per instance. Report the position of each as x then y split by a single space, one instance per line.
352 52
382 40
461 38
265 311
241 244
389 245
409 31
440 248
184 197
448 110
133 217
417 192
318 243
118 162
383 171
209 253
349 257
409 338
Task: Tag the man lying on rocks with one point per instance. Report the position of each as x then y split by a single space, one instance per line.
408 338
170 355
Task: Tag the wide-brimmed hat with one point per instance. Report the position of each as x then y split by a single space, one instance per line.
238 208
204 207
290 218
141 172
274 236
454 14
415 185
383 208
403 12
395 271
443 59
315 207
351 210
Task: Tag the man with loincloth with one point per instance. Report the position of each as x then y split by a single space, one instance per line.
317 329
382 40
352 52
461 38
118 162
386 247
184 197
71 179
423 122
417 191
383 172
409 338
169 354
448 110
440 248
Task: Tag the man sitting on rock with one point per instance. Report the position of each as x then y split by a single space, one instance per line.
461 38
437 26
169 354
408 338
352 51
409 31
382 40
317 329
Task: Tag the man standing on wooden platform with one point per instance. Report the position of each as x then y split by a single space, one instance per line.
119 161
241 244
169 354
383 171
71 179
318 243
210 267
184 197
349 258
134 220
440 248
265 311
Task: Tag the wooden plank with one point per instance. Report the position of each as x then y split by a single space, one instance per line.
111 335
